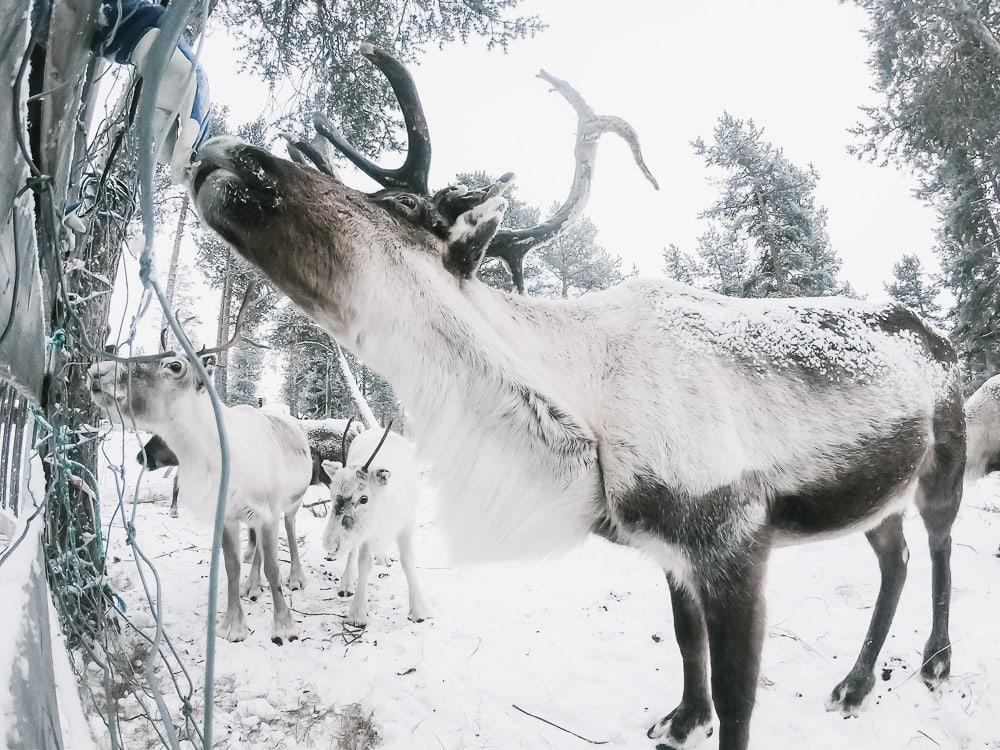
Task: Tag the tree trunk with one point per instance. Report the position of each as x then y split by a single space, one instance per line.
222 334
979 31
174 255
775 254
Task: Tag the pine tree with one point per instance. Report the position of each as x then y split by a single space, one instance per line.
681 266
574 263
767 205
313 386
315 44
912 289
936 64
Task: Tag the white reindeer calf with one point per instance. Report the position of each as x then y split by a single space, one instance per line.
374 502
270 468
982 416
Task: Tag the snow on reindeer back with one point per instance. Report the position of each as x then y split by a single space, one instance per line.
823 340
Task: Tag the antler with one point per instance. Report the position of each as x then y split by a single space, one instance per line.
412 175
246 305
343 441
513 244
377 447
303 151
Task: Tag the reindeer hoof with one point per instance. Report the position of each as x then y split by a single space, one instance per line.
251 591
937 663
848 696
344 593
234 629
685 724
285 630
296 583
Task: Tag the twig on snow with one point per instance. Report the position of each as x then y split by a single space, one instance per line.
563 729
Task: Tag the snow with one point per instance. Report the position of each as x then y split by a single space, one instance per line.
584 640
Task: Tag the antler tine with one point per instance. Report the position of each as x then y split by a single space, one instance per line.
343 441
163 339
246 305
413 173
513 244
377 447
305 153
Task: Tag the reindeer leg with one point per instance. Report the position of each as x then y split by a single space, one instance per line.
173 499
939 495
347 577
251 546
890 547
733 603
285 629
695 710
359 607
418 608
296 577
234 624
252 588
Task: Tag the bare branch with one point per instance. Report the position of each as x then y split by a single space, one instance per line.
513 244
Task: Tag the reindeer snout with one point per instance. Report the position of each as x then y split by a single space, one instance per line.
347 523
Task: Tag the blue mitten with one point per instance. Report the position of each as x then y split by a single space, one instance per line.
126 32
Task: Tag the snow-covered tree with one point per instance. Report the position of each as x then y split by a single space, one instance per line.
912 287
767 210
937 63
574 263
314 45
681 266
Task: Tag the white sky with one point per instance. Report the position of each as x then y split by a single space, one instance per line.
670 68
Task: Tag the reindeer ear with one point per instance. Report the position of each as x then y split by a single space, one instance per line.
382 476
332 467
471 234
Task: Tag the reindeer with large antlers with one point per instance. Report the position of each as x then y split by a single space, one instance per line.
700 429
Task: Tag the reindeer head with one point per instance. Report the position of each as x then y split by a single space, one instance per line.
144 394
327 245
356 493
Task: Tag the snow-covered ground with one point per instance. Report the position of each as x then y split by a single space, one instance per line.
585 641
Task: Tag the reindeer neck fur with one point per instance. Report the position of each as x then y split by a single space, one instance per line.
513 454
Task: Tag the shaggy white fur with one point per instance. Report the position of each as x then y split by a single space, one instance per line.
269 468
374 508
982 413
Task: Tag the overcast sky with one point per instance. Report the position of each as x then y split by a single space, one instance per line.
798 69
670 68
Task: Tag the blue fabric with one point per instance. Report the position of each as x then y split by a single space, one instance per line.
122 24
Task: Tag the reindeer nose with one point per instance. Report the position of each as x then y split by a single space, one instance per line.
348 522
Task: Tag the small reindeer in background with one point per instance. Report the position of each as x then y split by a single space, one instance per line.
154 455
374 500
270 466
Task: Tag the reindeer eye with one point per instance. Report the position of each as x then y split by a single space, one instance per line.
363 499
407 201
176 368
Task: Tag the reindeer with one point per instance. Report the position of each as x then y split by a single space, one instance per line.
270 468
156 454
374 504
982 413
699 429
